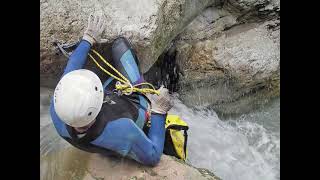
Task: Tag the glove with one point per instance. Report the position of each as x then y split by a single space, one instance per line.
161 104
96 25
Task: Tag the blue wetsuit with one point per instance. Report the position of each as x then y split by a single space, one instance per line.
122 135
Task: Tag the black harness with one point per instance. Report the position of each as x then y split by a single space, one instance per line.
123 107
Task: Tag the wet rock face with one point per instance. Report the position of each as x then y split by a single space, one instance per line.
209 24
253 10
73 163
149 24
224 59
168 168
165 72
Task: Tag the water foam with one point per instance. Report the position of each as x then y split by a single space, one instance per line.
236 149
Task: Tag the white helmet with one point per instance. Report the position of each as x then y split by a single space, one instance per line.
78 97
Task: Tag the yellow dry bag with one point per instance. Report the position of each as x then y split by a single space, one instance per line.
176 137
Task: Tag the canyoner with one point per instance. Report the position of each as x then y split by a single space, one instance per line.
126 116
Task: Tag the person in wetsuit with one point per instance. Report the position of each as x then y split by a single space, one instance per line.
92 118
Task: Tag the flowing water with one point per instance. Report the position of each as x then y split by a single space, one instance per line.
241 148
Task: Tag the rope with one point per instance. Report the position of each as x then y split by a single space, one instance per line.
123 85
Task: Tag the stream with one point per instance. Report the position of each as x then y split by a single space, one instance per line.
246 147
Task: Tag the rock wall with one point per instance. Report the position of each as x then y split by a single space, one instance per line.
243 59
229 56
149 24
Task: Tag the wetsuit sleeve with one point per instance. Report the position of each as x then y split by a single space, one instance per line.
150 154
76 61
78 58
57 122
126 138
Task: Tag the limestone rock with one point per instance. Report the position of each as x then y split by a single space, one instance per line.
253 10
72 163
149 24
207 25
242 60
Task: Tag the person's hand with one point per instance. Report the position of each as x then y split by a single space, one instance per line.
161 104
96 25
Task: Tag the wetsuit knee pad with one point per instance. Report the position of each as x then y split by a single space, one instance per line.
125 59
